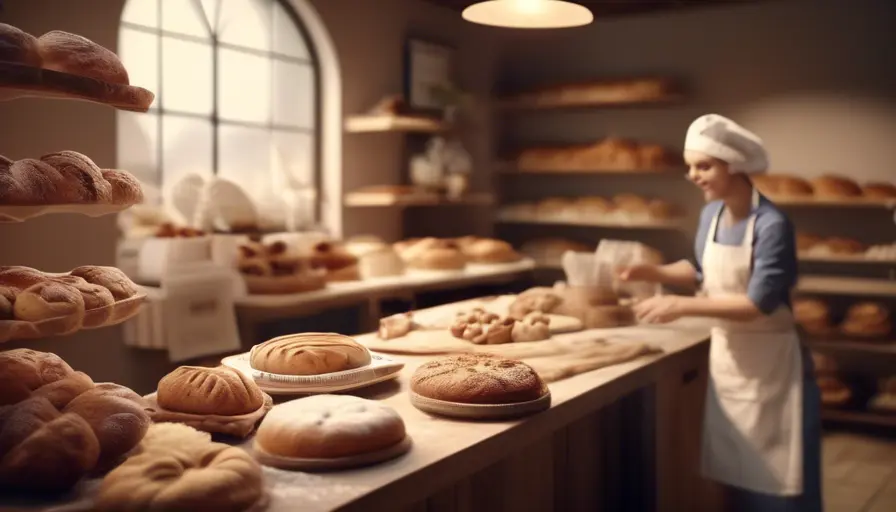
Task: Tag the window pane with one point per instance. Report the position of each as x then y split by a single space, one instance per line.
183 17
244 156
139 52
187 147
246 23
141 12
294 158
294 97
244 83
138 146
287 38
210 8
186 76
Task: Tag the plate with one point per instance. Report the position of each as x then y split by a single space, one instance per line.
15 213
366 459
381 368
480 411
120 311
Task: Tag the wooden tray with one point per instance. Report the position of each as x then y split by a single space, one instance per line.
19 81
237 426
13 213
21 330
480 411
366 459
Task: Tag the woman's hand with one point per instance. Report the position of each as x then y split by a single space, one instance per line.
660 309
643 273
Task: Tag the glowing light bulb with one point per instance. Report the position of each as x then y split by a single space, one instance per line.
528 14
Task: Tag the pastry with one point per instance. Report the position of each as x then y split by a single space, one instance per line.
43 450
76 55
533 327
490 251
108 277
395 326
879 190
18 47
51 300
82 181
439 258
867 319
813 315
24 371
220 391
482 327
118 417
124 187
329 427
540 300
835 187
309 354
478 379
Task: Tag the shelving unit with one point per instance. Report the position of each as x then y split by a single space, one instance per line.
373 200
401 124
510 218
849 286
510 105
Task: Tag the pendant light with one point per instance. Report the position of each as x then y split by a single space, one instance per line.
528 14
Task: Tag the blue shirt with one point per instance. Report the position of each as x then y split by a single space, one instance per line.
774 271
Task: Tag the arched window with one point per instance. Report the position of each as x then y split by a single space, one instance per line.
237 94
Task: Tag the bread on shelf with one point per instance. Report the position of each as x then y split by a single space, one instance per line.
478 379
834 392
867 319
879 190
622 209
828 187
488 250
433 254
596 92
782 185
609 154
271 270
885 398
814 316
831 186
309 354
18 46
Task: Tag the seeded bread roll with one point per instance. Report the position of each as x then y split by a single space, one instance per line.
18 47
77 55
82 181
220 391
110 278
309 354
478 379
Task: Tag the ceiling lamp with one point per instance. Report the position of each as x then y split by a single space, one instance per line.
528 14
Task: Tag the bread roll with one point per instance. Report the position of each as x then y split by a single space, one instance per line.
791 186
813 315
478 379
18 47
533 327
23 370
20 278
108 277
220 391
835 187
95 296
125 188
70 53
43 450
208 477
838 245
491 251
329 427
51 299
82 181
31 182
439 258
482 328
309 354
631 203
61 392
118 417
867 319
879 190
805 241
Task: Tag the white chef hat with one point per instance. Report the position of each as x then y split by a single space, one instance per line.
722 138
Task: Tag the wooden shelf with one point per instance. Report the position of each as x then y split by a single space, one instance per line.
510 169
373 199
859 417
511 104
508 218
871 347
845 258
384 123
818 202
846 286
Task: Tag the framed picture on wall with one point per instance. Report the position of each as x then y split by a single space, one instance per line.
428 66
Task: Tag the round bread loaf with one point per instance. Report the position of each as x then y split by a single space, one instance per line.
329 427
310 353
833 187
879 190
491 251
805 241
51 299
117 416
125 187
478 379
43 450
767 184
594 205
18 47
108 277
439 258
791 186
77 55
220 391
867 319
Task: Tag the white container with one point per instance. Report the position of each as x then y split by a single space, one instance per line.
158 255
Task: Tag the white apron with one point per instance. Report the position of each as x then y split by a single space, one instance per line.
752 425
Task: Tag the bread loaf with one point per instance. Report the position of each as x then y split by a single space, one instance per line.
309 354
835 187
490 251
51 299
813 315
77 55
791 186
124 187
329 427
18 47
110 278
220 391
867 319
31 182
438 258
19 278
82 180
478 379
61 392
23 370
879 190
95 296
43 450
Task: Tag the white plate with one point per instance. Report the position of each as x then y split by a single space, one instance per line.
380 369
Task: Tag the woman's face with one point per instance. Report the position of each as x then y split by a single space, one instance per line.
710 174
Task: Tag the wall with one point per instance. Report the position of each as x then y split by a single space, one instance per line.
368 37
809 76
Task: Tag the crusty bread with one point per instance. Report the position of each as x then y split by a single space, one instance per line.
879 190
220 391
835 187
329 427
95 296
867 319
124 187
439 258
43 450
31 182
110 278
18 278
118 417
813 315
18 47
23 370
82 181
491 251
77 55
51 299
792 186
7 299
591 205
61 392
478 379
309 354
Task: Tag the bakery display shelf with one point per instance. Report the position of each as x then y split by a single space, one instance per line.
845 258
881 347
9 213
820 202
509 168
513 218
20 81
846 286
375 199
855 417
391 123
512 105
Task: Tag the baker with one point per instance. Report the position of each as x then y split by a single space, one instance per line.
761 426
